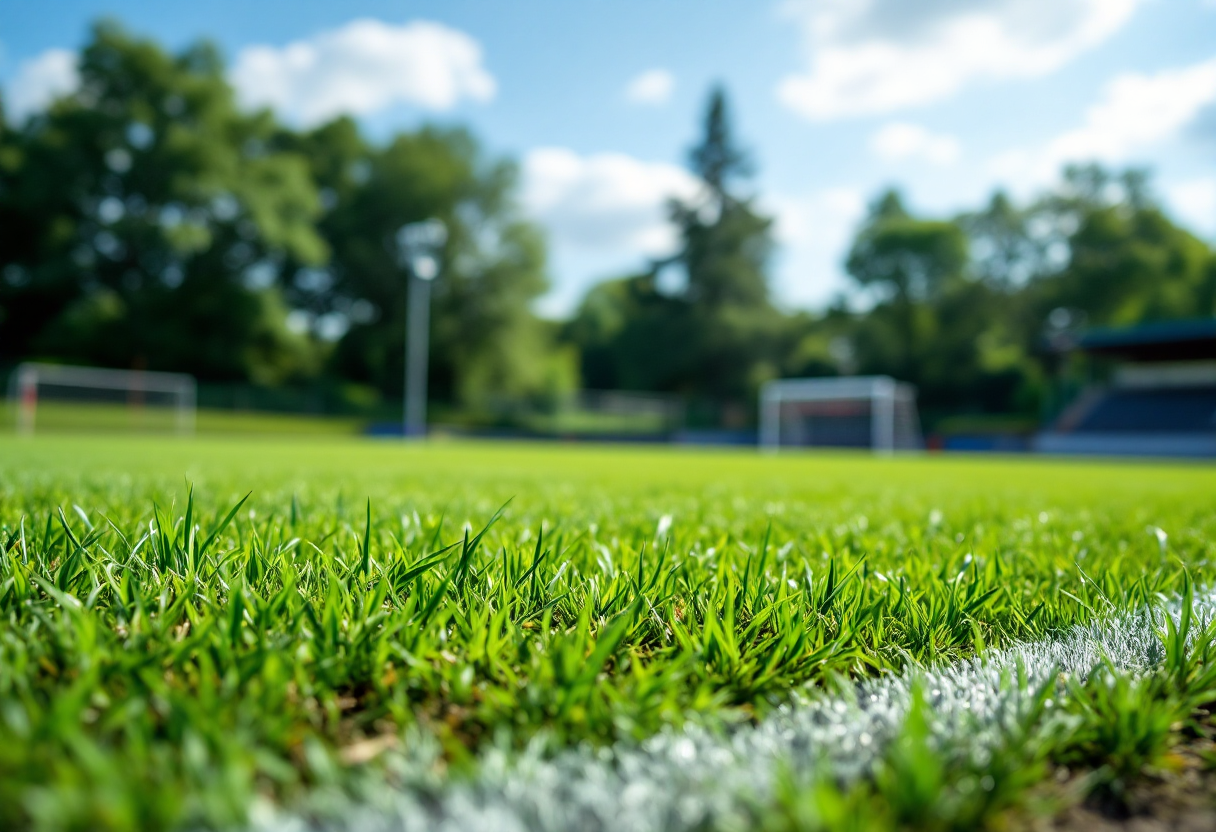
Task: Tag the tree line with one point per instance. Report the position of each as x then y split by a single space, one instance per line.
149 222
964 307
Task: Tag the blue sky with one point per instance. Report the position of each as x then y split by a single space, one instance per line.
599 100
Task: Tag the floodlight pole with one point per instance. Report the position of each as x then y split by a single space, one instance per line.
27 394
770 417
418 247
417 336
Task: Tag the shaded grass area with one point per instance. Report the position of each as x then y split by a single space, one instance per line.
167 654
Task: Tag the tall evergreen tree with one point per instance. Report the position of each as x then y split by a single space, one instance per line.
725 242
716 334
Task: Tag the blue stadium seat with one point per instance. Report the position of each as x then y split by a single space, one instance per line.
1162 410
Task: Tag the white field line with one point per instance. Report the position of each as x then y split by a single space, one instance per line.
692 778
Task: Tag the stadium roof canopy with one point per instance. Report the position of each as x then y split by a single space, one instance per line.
1189 340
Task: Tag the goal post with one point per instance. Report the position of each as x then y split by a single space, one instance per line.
875 412
90 398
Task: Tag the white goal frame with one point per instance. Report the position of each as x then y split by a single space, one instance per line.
28 377
894 423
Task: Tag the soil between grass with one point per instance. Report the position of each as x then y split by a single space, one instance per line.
1177 796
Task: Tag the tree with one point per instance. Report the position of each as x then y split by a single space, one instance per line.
717 335
1126 262
905 258
968 327
909 262
725 243
1004 251
145 217
154 224
487 343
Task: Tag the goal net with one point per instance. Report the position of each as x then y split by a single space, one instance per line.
53 397
875 412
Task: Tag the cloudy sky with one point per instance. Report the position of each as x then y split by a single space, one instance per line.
599 99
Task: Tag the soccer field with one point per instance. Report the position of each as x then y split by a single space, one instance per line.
355 634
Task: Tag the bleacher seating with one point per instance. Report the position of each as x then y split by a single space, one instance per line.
1158 398
1170 410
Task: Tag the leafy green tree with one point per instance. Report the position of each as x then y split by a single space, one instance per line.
1127 261
156 225
909 262
905 258
940 318
1004 251
486 342
717 334
969 326
144 218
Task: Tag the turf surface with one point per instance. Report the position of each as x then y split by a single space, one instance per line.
173 651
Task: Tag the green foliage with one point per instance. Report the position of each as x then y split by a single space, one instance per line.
912 264
963 306
960 307
145 212
1130 263
154 224
486 341
907 259
716 333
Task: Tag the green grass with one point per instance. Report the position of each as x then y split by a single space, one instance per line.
168 654
94 419
60 417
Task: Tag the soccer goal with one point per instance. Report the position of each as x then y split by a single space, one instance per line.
875 412
57 397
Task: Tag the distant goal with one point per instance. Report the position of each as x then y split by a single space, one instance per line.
53 397
875 412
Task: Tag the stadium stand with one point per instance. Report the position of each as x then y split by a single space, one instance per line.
1156 397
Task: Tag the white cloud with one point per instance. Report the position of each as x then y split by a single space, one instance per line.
813 232
868 57
40 81
1137 111
1134 113
654 87
1194 202
605 201
899 141
605 214
363 67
